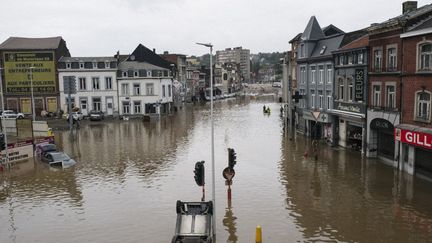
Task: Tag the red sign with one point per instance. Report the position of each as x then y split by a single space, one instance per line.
415 138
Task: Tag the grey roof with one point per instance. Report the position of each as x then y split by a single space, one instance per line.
412 15
135 65
331 44
313 30
87 59
21 43
427 23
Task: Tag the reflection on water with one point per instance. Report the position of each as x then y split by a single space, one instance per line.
129 175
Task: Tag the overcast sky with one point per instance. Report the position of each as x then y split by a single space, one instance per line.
101 27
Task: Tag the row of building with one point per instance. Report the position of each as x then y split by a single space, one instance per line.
141 83
368 89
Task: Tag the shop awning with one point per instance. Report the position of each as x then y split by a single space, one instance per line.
347 114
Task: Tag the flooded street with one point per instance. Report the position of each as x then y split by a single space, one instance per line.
129 175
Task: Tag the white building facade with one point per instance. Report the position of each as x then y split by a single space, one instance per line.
96 84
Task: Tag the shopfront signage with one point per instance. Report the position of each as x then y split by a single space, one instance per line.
359 81
19 77
381 125
357 108
419 139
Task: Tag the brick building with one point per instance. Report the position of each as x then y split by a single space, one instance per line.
385 78
414 134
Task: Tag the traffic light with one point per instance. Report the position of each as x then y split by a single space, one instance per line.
231 158
296 97
199 173
2 142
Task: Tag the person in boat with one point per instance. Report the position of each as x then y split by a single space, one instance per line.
268 110
264 109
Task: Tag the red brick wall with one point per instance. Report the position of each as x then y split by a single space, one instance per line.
412 81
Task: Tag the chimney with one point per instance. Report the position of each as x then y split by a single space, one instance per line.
409 6
166 52
154 50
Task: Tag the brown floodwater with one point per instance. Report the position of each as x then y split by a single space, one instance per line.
129 175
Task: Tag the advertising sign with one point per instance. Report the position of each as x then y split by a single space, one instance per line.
419 139
18 74
359 81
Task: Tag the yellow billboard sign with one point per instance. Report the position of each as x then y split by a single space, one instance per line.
18 76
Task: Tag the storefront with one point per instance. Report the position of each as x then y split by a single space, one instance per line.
319 127
383 135
415 144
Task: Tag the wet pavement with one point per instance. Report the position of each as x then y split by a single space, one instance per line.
129 175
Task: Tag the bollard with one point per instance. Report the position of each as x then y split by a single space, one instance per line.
258 234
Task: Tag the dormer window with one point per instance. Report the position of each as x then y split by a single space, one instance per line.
323 50
107 64
68 65
81 65
136 74
302 50
124 74
94 65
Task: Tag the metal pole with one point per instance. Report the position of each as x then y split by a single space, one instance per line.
212 141
32 97
6 160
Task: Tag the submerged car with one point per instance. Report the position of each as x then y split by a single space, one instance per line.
11 114
96 115
42 149
58 158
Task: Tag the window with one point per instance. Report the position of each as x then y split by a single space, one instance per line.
391 59
302 50
391 96
136 89
423 102
149 89
341 90
135 73
68 65
376 96
302 75
124 74
313 71
320 99
81 65
125 89
126 108
329 74
169 90
302 100
82 83
137 107
108 83
95 81
377 60
350 59
329 100
97 104
321 74
425 56
163 90
107 64
360 58
165 73
350 89
83 105
312 98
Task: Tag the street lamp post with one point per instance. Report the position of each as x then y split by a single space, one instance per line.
6 160
212 134
32 97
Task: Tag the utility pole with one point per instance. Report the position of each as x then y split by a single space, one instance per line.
6 160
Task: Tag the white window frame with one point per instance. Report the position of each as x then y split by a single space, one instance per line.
392 58
96 83
321 74
329 100
360 58
377 59
341 89
376 95
82 83
313 72
320 100
107 64
350 89
136 89
137 104
108 83
125 89
149 89
418 103
313 99
420 57
329 74
390 96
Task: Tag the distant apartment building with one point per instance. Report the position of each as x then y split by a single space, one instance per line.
95 83
179 76
145 84
30 64
236 55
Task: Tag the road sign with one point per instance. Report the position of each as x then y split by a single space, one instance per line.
316 114
228 173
